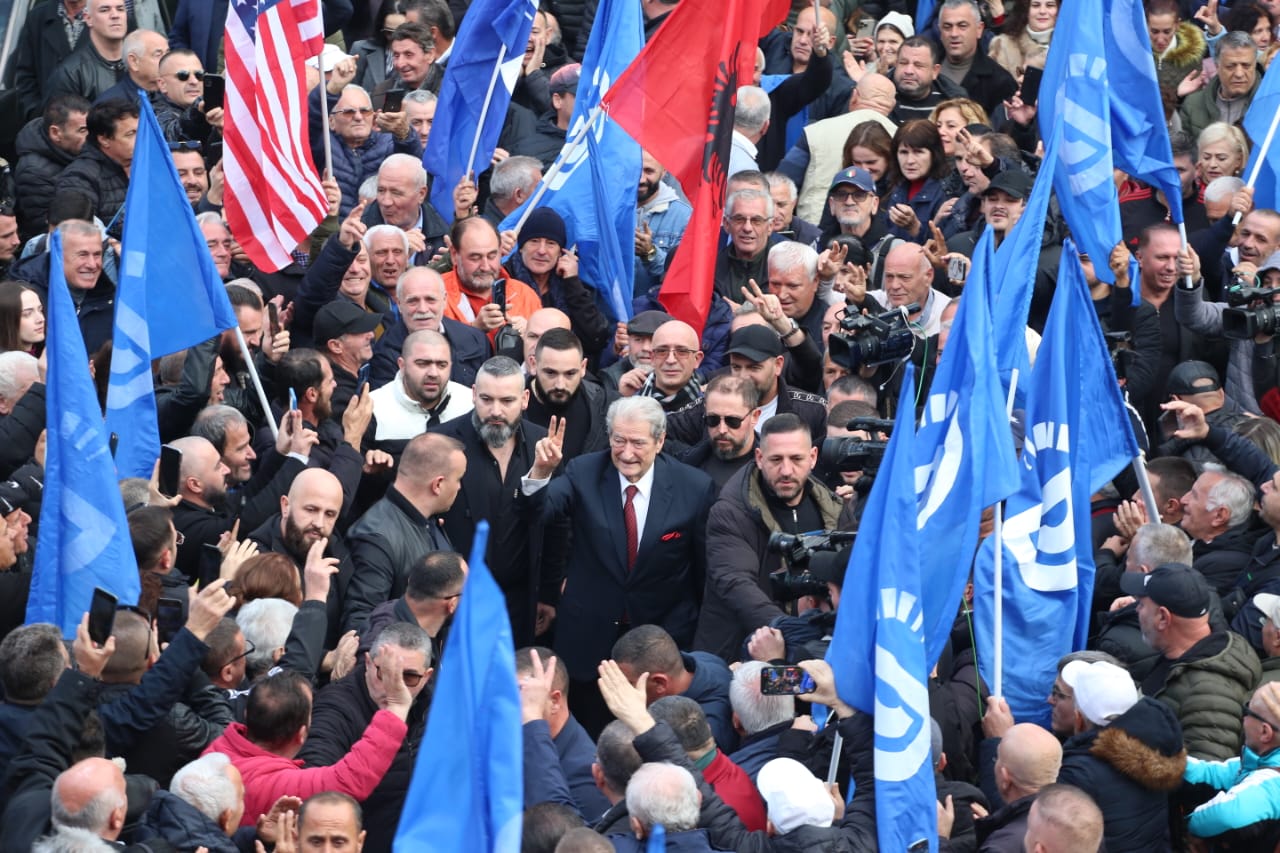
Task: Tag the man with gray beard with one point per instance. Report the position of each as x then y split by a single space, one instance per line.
854 206
499 445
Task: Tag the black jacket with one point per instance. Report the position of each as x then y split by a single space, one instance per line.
988 82
1222 560
183 825
270 538
385 544
94 308
85 72
39 164
686 426
546 141
102 181
434 229
20 430
468 346
342 712
598 399
42 45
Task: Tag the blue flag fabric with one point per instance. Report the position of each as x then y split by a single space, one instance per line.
84 538
491 41
1139 135
1076 97
964 459
467 791
594 191
879 664
924 14
1078 435
1257 121
170 295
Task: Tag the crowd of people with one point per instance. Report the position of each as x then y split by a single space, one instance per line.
635 472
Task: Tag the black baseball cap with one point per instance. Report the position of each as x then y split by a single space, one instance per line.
1175 586
341 317
1014 182
647 322
1193 377
756 342
830 566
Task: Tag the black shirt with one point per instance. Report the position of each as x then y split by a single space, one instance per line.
575 414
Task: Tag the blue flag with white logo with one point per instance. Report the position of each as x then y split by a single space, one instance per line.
84 538
484 66
467 789
595 189
170 295
879 663
1139 135
964 459
1077 436
1257 122
1076 97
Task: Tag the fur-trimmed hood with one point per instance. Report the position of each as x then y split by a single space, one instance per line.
1184 56
1145 744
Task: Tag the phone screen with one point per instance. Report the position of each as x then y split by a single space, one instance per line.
168 619
393 102
1030 90
500 293
170 470
273 318
785 681
102 615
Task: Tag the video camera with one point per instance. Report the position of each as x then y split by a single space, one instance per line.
873 339
1120 345
794 580
856 454
1261 316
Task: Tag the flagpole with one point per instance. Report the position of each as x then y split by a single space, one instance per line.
1144 485
998 533
257 382
1257 163
566 155
324 124
1182 232
837 743
484 110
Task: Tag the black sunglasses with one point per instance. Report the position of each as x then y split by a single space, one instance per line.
184 145
1249 712
734 421
184 75
249 648
411 678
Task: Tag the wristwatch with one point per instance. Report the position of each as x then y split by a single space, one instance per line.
795 327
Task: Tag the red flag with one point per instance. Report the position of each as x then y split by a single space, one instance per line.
678 100
273 195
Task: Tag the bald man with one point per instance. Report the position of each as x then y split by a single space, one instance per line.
541 321
1027 760
91 795
908 279
676 354
308 515
1063 819
200 516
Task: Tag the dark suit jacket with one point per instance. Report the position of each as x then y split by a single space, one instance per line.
664 587
199 26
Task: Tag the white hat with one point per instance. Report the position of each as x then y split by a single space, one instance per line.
793 796
1269 604
329 57
1103 690
899 22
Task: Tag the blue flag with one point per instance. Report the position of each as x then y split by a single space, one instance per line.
84 538
1139 135
924 14
1076 97
879 663
963 452
1077 437
484 66
467 790
170 295
594 190
1257 122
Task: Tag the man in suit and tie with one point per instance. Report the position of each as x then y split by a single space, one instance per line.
639 524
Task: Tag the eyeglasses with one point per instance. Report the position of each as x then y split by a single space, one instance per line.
1057 695
1249 712
662 353
249 648
734 421
754 221
184 75
411 678
348 112
184 145
858 196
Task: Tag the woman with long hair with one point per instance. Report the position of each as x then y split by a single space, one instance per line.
918 169
21 318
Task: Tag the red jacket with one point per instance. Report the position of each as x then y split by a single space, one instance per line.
268 777
734 786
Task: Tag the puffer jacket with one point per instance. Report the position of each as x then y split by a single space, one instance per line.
183 825
925 203
351 166
39 164
1182 57
737 600
1206 693
1250 786
1129 767
101 180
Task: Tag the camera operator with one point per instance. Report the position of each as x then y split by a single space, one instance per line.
775 494
791 639
852 485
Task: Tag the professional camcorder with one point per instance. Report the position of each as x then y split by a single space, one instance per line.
1259 316
794 580
873 339
846 454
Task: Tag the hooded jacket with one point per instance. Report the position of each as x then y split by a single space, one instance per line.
39 164
1129 767
1206 690
1184 55
1250 786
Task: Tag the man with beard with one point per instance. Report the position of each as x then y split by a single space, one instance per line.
561 387
189 162
921 87
421 395
308 515
470 285
199 516
661 217
855 206
344 333
404 526
777 493
500 445
420 294
731 414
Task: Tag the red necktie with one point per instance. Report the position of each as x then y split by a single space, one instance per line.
629 520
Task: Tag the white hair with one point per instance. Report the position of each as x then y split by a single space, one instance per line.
17 369
748 194
69 839
789 255
661 793
407 161
756 711
1233 492
368 189
643 409
753 110
377 231
777 179
204 785
1220 189
266 623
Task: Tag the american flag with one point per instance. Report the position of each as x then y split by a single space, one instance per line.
273 195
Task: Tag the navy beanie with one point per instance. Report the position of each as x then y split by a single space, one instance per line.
544 222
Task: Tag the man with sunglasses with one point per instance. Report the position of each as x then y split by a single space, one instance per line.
361 138
731 415
775 494
180 106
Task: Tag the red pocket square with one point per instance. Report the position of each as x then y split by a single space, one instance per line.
675 534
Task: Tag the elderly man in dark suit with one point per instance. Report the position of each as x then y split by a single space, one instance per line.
639 524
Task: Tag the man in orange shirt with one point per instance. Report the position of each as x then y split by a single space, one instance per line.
477 267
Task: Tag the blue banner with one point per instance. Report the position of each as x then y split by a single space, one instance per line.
170 295
484 66
83 540
594 190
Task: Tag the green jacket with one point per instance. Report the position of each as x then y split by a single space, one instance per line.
1200 109
1207 693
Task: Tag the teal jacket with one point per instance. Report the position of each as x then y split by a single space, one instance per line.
1250 787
